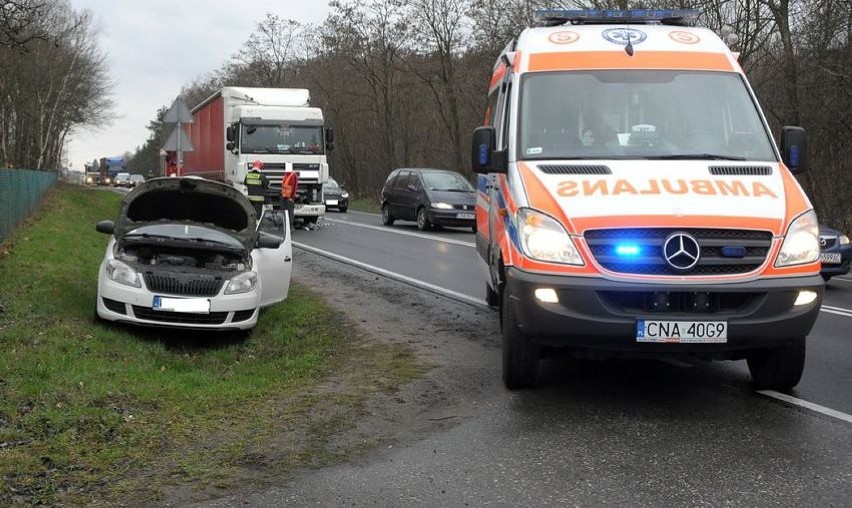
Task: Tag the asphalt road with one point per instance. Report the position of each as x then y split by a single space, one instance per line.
631 432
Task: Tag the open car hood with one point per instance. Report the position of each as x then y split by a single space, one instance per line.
189 200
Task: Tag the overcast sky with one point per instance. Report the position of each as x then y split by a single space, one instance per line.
156 46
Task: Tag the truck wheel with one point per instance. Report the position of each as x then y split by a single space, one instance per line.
311 220
491 296
423 223
520 356
387 218
779 368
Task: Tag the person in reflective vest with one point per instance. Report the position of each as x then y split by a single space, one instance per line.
256 184
289 185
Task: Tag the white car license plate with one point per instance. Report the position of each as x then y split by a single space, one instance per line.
466 216
830 258
682 332
185 305
331 202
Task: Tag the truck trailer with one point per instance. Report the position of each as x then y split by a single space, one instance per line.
277 126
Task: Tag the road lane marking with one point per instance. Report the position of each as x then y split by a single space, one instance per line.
841 279
840 311
455 295
807 405
386 229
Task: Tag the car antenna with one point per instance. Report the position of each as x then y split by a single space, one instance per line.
629 47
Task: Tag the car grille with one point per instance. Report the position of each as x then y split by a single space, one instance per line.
464 207
827 242
755 246
184 285
148 314
678 302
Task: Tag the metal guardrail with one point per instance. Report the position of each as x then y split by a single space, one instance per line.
20 192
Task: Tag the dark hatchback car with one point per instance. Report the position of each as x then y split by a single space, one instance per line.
835 252
431 197
335 196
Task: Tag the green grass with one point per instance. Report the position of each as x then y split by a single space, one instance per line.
370 205
93 412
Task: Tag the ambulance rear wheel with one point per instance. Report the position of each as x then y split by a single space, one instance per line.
779 368
387 218
520 356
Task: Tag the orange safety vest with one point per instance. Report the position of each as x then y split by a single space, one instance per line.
289 184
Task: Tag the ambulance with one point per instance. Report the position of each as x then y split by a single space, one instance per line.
632 201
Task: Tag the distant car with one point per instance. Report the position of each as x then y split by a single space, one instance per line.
186 253
431 197
136 180
335 196
122 180
835 252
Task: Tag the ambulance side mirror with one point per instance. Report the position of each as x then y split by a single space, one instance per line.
485 158
794 149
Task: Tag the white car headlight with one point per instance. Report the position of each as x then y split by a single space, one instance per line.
801 244
344 195
844 240
122 273
544 239
442 206
242 283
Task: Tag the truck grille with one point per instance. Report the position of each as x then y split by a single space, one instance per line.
275 172
148 314
723 251
183 285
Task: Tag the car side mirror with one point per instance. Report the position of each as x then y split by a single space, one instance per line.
794 149
485 158
268 242
412 187
106 227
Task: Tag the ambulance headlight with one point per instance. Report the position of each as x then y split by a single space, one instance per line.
544 239
801 244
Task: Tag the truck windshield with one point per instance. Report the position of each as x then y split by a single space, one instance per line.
640 114
295 139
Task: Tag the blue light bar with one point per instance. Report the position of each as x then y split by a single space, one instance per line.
634 16
627 250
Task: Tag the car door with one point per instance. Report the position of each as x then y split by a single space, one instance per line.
274 267
400 196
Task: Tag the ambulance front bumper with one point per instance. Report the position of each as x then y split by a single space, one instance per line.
597 314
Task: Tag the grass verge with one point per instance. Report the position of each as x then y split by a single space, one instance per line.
106 413
370 205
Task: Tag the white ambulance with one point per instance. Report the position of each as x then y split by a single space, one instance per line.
632 201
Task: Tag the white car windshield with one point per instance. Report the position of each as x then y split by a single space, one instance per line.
185 232
640 115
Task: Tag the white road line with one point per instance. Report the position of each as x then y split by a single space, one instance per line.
386 229
836 312
840 279
396 276
807 405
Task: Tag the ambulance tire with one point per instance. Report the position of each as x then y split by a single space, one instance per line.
387 218
780 368
520 356
423 222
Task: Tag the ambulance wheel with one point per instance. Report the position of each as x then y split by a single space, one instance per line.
387 218
520 356
779 368
423 222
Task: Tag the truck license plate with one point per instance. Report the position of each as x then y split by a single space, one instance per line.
184 305
682 332
830 258
466 216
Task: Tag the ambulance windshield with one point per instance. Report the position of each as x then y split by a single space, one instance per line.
639 114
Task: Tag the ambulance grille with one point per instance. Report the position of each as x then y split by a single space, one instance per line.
575 169
740 170
723 251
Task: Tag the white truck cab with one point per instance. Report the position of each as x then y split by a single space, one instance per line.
632 201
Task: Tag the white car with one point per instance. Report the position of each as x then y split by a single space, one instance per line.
187 253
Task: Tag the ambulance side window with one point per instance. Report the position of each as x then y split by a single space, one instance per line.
491 109
507 117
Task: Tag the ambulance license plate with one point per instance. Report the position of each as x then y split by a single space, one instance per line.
466 216
682 332
830 258
183 305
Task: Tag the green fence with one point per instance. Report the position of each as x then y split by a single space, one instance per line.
20 192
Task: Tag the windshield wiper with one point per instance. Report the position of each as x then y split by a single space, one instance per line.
698 156
149 235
